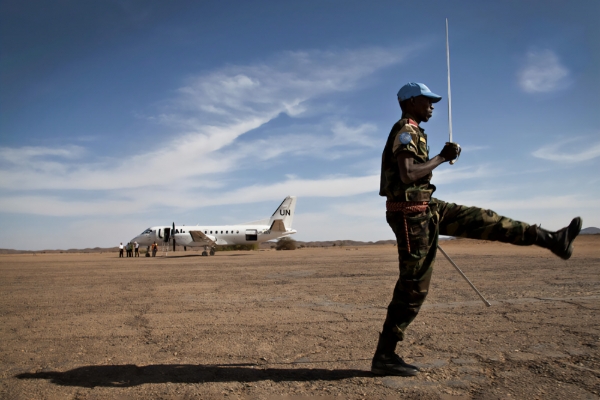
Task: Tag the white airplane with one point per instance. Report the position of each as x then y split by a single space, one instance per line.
279 225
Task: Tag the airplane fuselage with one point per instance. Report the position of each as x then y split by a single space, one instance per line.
220 235
278 225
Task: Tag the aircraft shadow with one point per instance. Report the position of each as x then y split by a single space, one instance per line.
171 255
200 255
132 375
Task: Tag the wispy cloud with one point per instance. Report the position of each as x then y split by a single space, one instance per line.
209 115
326 187
325 140
372 227
282 84
31 154
543 72
373 207
468 148
498 199
455 174
60 206
139 200
193 196
569 151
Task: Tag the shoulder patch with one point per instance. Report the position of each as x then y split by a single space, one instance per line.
410 128
405 138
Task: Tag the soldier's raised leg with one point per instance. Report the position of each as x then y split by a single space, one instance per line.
478 223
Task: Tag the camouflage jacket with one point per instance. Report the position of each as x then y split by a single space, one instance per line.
406 136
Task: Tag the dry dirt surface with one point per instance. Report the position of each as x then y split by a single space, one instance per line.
297 324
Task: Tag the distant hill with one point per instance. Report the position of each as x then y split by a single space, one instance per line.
590 231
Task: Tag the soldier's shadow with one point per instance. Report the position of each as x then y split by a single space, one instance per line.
132 375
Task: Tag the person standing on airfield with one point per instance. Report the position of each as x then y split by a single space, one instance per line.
137 249
417 220
154 249
121 250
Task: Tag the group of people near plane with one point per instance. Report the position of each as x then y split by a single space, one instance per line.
135 246
130 247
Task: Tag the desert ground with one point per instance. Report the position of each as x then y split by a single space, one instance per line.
297 324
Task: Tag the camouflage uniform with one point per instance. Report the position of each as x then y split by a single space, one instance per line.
417 256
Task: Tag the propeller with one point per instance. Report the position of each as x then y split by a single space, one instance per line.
173 234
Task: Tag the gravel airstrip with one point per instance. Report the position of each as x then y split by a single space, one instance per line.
298 324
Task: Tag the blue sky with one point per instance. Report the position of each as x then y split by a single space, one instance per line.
119 115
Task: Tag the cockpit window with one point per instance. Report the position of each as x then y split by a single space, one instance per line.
147 231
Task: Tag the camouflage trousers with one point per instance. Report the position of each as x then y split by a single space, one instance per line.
416 266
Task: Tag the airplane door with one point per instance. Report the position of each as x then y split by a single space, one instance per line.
167 234
251 235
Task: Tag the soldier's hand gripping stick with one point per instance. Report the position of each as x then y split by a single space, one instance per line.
458 150
450 152
487 303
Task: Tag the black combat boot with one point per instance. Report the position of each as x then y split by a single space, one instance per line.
387 362
561 241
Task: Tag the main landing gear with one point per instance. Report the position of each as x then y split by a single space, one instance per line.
206 253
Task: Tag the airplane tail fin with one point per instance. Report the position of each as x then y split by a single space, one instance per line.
282 218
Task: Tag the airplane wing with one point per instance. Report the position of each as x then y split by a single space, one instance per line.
199 236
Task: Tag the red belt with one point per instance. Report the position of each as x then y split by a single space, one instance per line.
406 207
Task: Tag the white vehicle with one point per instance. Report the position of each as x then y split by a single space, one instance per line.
279 225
